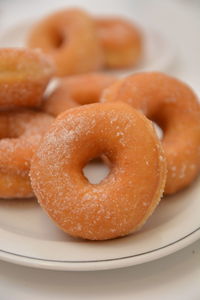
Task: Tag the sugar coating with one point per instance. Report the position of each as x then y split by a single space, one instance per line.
118 204
72 57
66 95
121 42
18 143
119 30
24 75
173 105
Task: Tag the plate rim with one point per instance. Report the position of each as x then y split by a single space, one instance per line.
102 264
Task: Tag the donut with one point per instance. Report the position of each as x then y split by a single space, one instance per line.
175 108
77 90
20 133
70 37
121 42
122 201
24 75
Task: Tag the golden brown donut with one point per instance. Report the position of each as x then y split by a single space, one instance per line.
20 133
77 90
70 37
24 75
121 42
120 203
175 108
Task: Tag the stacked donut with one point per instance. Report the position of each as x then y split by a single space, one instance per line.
80 43
24 75
97 115
141 166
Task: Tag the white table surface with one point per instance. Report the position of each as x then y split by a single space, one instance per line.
174 277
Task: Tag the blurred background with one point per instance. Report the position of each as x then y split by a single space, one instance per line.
175 22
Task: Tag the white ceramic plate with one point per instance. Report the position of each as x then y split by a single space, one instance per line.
158 50
28 236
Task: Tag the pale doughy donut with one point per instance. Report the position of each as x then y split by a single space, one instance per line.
121 42
175 108
77 90
20 133
122 201
70 37
24 75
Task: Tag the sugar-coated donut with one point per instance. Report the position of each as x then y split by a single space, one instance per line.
20 133
24 75
121 202
175 108
70 37
121 42
77 90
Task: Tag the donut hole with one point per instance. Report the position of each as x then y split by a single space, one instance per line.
58 42
18 71
86 101
11 127
57 39
8 133
158 130
96 170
